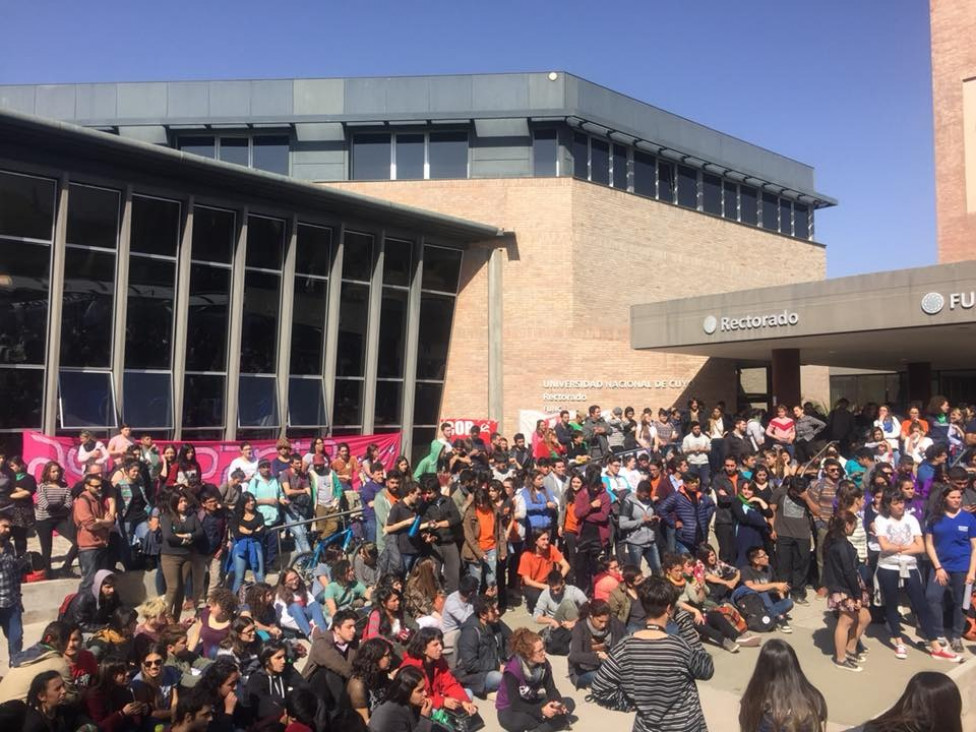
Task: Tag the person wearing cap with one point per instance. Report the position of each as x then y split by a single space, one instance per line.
246 463
282 462
269 498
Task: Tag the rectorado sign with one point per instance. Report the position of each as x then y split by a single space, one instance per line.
724 324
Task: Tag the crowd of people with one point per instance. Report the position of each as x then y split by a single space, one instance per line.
634 543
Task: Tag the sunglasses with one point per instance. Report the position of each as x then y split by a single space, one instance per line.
152 664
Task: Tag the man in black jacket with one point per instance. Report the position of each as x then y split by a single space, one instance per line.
726 487
482 649
737 443
442 514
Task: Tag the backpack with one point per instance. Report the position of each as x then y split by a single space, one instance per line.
754 612
557 641
65 604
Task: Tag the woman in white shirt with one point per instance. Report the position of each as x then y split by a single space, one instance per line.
917 442
890 426
900 538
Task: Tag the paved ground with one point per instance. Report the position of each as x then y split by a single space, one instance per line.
851 698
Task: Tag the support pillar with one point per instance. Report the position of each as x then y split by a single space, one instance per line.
785 376
920 382
496 378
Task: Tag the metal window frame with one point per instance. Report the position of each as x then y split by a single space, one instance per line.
54 207
172 400
304 377
120 192
270 377
555 133
112 395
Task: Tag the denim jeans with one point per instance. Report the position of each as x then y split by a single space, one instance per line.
270 542
485 569
90 561
301 537
704 472
636 553
935 594
493 681
585 679
776 608
680 548
888 579
13 627
240 567
302 616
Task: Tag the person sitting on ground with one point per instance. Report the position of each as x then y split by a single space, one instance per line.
426 651
178 657
779 696
330 659
931 702
459 604
406 706
193 714
302 711
558 606
537 561
386 620
422 587
597 632
109 702
720 578
243 647
624 602
155 616
775 595
213 626
259 605
528 698
218 685
482 648
268 688
48 707
91 611
296 608
47 655
370 677
155 686
607 578
345 591
116 638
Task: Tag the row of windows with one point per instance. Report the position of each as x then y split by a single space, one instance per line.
409 156
86 394
263 152
620 166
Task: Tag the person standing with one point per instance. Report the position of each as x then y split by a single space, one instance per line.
444 531
592 508
791 523
821 498
688 512
847 593
93 523
725 488
269 498
246 462
11 607
638 524
181 531
53 513
807 429
696 448
596 432
119 445
18 503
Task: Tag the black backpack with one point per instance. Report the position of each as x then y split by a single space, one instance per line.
754 612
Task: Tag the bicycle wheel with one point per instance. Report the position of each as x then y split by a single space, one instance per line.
304 563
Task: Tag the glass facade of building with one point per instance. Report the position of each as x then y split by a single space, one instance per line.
202 317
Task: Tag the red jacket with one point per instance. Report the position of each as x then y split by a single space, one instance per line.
599 517
88 509
442 684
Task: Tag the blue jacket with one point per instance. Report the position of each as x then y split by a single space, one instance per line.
694 516
750 530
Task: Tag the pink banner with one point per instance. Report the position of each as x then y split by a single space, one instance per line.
214 457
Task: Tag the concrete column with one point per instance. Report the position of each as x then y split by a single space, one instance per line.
496 377
180 316
332 326
286 308
121 300
786 376
52 360
373 335
410 357
232 386
920 382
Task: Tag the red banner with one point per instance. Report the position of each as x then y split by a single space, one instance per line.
462 427
214 457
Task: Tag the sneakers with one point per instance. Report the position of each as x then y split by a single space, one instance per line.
785 627
943 655
956 645
749 640
901 652
858 658
801 601
730 645
847 665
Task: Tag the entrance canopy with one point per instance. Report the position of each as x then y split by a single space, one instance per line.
883 321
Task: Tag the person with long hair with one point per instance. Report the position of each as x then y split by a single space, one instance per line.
187 467
567 525
181 532
426 652
370 676
247 529
155 685
218 684
267 688
931 702
847 594
318 454
484 536
295 606
213 624
422 588
386 620
110 702
778 697
782 429
406 706
596 633
242 646
170 467
950 543
47 708
540 503
528 698
260 599
52 512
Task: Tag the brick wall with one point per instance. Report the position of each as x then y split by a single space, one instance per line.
953 27
581 256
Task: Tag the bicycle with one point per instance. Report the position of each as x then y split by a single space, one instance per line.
306 562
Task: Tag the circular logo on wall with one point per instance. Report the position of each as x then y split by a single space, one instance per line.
932 303
710 324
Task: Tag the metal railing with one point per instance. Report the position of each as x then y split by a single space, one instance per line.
280 528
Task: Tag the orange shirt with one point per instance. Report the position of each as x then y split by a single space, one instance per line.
537 567
571 523
486 529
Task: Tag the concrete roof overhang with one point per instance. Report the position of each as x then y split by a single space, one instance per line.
882 320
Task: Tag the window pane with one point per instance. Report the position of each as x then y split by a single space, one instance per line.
665 181
427 403
393 332
147 400
93 216
23 394
436 314
545 149
599 161
410 157
203 146
644 174
86 399
149 318
389 395
214 234
308 325
259 330
447 155
770 212
730 203
208 318
258 406
203 401
306 407
396 262
620 167
371 157
265 242
748 208
711 194
234 150
24 285
687 187
442 268
155 226
270 153
348 402
422 437
801 221
86 328
581 167
353 317
314 254
357 257
785 217
26 206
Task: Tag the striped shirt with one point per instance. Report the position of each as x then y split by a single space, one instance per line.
53 501
658 678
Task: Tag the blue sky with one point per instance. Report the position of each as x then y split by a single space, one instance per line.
843 86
